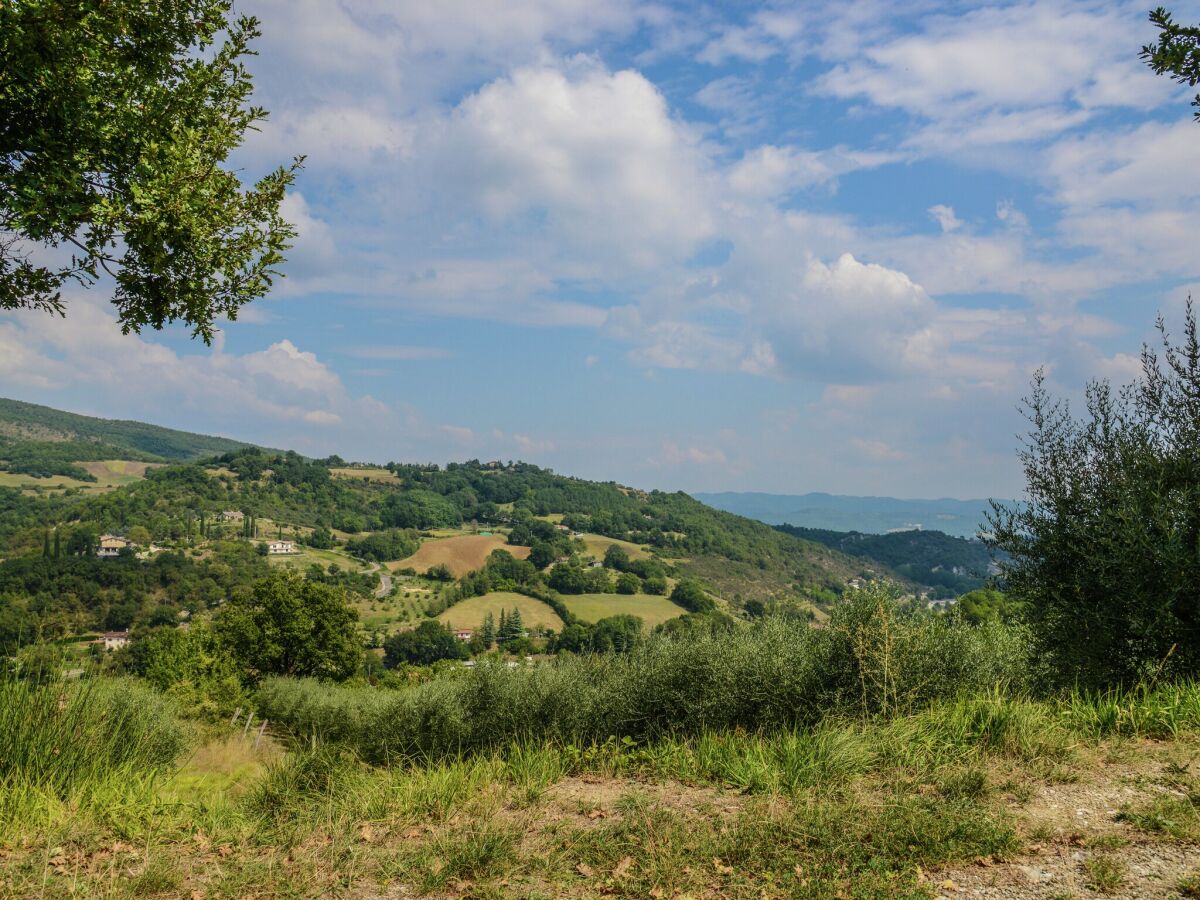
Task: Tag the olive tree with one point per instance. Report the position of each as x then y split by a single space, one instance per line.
1105 546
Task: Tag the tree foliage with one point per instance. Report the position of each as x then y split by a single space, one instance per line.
426 644
691 596
1106 546
289 625
1177 52
116 123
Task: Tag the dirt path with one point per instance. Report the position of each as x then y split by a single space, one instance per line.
1079 846
385 579
385 583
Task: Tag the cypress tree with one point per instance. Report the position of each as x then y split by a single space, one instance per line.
45 543
57 543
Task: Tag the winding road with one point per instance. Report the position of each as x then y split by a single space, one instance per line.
385 580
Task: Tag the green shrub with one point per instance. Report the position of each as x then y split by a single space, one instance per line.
870 661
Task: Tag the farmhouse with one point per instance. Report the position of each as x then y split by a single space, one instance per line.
111 546
276 547
112 640
233 515
463 634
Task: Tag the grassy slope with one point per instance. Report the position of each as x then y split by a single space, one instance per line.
470 613
924 806
650 609
29 421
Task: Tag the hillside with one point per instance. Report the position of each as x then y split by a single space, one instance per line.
947 564
411 518
29 422
871 515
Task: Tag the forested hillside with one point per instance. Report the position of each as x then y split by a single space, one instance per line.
29 422
193 534
948 565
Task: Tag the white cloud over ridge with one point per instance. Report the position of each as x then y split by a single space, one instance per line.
680 197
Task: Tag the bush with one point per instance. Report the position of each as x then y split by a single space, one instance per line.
870 660
192 666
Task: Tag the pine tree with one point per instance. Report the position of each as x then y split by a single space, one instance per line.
503 624
510 625
487 632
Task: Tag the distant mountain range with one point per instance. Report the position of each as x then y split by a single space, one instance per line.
870 515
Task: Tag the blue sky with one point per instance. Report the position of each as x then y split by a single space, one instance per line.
781 247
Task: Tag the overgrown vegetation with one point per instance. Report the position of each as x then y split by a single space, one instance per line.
1103 549
871 660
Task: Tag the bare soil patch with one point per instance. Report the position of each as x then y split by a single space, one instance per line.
1075 827
590 800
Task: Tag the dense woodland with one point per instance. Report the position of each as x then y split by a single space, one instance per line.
949 565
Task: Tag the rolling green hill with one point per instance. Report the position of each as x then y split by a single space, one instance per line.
22 422
198 477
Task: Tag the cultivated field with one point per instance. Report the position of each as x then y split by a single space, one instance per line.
651 609
470 613
462 554
598 545
370 473
306 556
400 610
109 473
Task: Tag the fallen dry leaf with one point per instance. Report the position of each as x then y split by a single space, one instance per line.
721 868
585 870
224 851
656 893
367 833
622 867
948 885
597 814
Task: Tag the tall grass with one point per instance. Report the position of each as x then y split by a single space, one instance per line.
60 740
1157 711
871 661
